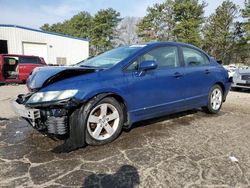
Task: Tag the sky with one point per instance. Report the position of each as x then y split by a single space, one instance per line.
34 13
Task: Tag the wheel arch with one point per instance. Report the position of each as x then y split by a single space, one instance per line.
222 86
117 97
224 90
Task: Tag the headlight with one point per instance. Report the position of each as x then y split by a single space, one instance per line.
51 96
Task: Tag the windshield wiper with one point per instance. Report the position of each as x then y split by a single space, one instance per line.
88 66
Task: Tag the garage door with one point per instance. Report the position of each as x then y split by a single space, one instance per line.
35 49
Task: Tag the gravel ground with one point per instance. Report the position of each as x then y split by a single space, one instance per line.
189 149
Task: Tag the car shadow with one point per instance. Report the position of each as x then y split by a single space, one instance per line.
68 147
241 91
127 176
4 119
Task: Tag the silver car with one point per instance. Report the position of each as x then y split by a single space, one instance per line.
230 69
241 78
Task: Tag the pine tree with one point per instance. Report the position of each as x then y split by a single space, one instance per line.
174 20
246 17
102 31
189 16
219 32
77 26
158 24
242 48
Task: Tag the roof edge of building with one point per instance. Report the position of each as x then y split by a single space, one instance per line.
46 32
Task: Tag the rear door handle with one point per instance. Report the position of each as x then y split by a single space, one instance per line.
207 71
178 75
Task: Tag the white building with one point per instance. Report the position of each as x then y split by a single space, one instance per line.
54 48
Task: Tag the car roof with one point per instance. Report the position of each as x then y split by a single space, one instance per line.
156 43
170 42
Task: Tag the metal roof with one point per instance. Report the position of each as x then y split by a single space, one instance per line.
46 32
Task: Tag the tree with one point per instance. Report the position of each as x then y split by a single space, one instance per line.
102 31
220 33
125 33
78 26
100 28
177 20
158 23
189 16
57 27
242 49
45 27
246 17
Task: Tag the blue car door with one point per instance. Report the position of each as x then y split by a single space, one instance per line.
198 76
157 91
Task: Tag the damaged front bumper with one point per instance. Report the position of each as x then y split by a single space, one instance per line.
49 118
28 113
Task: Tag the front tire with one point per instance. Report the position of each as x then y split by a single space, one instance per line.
215 100
104 122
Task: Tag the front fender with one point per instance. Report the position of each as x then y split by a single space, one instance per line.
85 96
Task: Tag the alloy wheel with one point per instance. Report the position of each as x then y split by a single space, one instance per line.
216 99
103 121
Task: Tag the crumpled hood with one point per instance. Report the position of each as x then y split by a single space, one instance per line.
42 76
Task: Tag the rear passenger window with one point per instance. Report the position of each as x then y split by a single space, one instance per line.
29 60
165 57
194 57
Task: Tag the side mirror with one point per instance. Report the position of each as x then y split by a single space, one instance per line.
145 66
148 65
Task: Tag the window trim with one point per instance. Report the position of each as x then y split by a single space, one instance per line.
138 58
196 49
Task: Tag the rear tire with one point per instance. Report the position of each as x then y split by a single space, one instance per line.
215 100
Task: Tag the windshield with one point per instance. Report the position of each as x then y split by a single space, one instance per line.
110 58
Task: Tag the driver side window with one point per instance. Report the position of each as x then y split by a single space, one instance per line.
133 66
165 57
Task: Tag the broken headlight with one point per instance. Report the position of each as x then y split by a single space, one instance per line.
51 96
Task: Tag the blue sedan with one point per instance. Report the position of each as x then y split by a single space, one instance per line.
92 102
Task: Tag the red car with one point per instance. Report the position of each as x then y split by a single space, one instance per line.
16 68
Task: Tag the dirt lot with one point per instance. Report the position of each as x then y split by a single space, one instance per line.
189 149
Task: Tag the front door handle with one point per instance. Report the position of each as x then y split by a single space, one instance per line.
178 75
